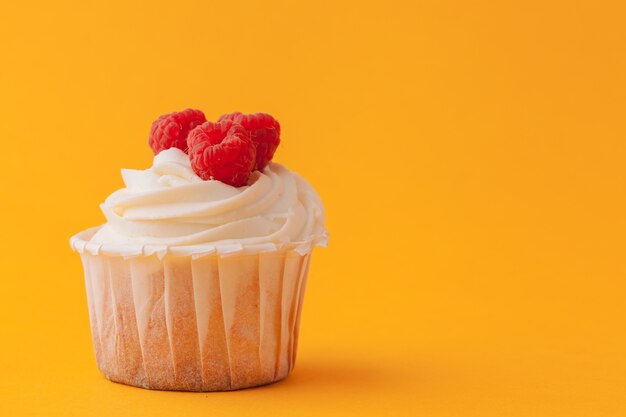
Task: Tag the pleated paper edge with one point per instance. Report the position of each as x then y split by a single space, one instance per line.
81 244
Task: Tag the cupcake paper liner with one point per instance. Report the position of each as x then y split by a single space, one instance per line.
194 321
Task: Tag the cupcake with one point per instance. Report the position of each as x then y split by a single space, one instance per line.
196 280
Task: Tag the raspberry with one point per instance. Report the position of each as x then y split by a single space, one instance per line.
264 132
171 130
222 151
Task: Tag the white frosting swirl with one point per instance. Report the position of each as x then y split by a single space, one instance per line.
168 204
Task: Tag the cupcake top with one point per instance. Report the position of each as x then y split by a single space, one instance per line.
212 188
169 204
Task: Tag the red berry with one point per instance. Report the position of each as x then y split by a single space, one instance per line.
264 132
222 151
171 130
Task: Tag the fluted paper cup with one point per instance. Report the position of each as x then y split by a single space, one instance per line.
183 319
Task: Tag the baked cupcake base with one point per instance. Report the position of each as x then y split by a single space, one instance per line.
195 323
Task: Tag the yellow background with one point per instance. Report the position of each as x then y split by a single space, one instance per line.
471 157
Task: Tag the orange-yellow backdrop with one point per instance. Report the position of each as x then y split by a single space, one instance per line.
471 156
